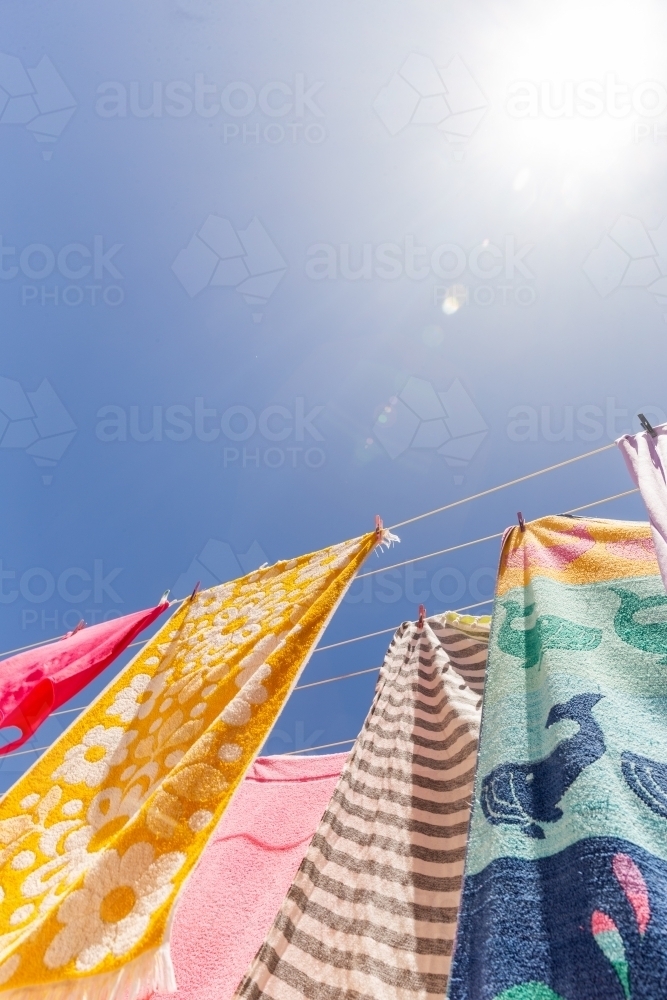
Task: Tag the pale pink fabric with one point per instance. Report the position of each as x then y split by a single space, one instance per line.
234 894
646 459
35 683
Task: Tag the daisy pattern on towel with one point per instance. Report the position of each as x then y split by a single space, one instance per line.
91 760
111 912
97 840
137 700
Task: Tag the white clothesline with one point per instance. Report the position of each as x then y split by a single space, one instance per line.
322 746
385 569
503 486
328 680
368 635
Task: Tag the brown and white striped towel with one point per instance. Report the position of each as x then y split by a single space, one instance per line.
371 914
465 640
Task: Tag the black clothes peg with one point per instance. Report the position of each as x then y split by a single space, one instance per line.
645 424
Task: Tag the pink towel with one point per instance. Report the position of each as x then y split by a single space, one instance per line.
234 894
35 683
646 459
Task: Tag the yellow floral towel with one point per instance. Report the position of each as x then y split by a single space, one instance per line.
98 838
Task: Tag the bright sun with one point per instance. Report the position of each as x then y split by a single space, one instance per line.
583 77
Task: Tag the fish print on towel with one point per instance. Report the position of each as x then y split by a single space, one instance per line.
522 793
548 632
649 635
565 888
372 911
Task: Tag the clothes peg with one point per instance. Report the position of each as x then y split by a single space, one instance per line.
194 592
645 424
522 523
422 615
383 536
79 625
77 628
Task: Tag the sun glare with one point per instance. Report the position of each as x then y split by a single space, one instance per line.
583 77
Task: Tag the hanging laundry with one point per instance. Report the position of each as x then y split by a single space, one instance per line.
372 910
231 899
465 640
565 890
97 839
646 459
38 681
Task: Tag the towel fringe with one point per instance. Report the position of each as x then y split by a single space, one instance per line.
385 538
151 972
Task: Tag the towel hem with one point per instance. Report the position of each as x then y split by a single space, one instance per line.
151 972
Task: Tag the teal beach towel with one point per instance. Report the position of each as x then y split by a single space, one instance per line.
565 888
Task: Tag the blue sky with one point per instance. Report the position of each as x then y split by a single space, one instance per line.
286 266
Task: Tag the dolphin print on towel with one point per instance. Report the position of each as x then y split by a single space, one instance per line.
548 632
521 794
648 780
649 636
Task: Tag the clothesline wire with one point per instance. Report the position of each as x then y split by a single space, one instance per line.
383 631
616 496
322 746
341 677
319 649
411 520
502 486
358 638
486 538
20 753
384 569
288 753
300 687
476 541
33 645
357 673
429 555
